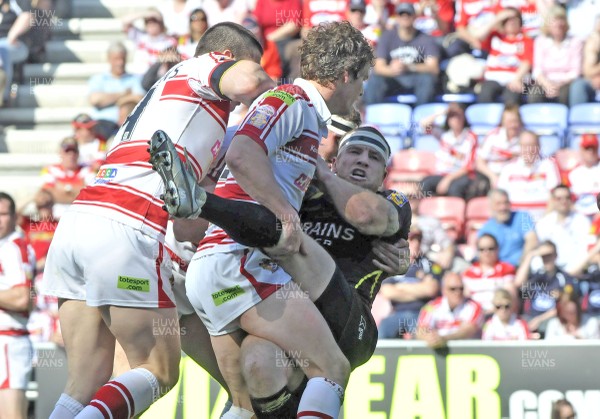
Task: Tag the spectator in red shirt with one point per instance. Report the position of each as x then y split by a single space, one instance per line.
510 56
455 168
280 22
451 316
65 179
40 226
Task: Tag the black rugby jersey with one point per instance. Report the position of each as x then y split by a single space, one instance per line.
351 250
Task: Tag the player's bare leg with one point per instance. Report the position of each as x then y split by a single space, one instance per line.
14 404
291 321
90 348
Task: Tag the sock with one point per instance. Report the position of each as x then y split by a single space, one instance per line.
282 405
258 227
228 405
125 396
237 413
322 399
66 408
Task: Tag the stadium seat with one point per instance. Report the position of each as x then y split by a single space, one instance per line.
550 144
408 99
426 143
409 166
484 117
566 160
423 111
457 97
393 120
476 214
546 119
583 118
449 210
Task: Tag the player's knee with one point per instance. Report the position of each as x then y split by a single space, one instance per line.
263 369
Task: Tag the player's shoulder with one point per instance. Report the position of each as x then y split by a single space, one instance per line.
395 197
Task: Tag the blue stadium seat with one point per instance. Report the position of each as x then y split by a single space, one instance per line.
393 120
426 143
484 117
550 144
546 119
583 118
457 97
408 99
423 111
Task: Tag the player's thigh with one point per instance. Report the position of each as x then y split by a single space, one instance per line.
195 342
222 286
292 322
90 348
311 269
149 336
14 404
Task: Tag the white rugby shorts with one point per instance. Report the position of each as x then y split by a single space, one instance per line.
15 362
104 262
222 286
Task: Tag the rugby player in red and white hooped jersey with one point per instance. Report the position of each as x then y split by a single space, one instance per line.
237 289
116 286
16 274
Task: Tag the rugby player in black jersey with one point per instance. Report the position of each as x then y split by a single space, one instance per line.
346 216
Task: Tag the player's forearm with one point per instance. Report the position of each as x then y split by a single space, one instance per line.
15 299
252 170
369 213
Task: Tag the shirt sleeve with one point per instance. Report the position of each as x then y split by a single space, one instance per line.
400 202
274 120
95 83
205 81
14 263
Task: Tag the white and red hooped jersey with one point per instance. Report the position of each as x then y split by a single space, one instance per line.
497 149
506 56
585 185
481 283
529 187
288 122
456 152
515 329
17 263
438 316
187 104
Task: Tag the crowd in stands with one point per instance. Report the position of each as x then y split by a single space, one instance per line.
525 265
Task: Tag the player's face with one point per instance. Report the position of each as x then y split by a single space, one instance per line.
347 93
7 220
361 165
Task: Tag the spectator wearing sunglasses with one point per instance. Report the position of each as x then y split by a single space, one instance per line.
449 317
198 24
504 324
540 289
487 274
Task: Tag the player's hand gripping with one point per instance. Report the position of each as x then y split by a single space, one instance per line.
290 241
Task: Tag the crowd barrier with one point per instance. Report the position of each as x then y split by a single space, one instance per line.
405 379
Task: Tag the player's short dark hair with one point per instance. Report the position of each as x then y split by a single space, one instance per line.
11 202
229 36
332 48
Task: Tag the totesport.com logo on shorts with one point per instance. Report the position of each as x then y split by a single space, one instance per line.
133 284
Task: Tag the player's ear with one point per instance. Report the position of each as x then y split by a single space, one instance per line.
228 53
333 164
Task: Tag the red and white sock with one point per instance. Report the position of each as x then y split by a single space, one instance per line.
125 396
66 408
322 399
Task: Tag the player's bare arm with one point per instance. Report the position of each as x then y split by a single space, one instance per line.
252 170
370 213
245 81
